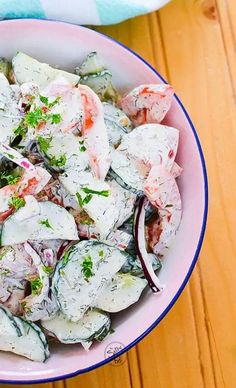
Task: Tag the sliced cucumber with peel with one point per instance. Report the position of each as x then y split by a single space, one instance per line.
101 85
28 69
38 221
75 286
92 64
92 326
117 123
22 337
122 292
5 67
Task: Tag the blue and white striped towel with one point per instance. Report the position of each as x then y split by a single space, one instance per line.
78 11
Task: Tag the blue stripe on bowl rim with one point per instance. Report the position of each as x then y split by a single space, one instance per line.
198 248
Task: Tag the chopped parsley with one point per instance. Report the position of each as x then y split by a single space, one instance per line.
89 195
46 102
82 146
16 202
36 286
2 254
58 162
48 270
38 116
35 117
25 307
9 178
87 221
104 193
66 257
10 156
87 266
101 253
20 131
85 200
56 118
44 143
45 223
169 205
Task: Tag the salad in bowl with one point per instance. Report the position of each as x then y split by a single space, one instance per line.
89 201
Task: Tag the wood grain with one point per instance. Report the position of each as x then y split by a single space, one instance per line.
192 43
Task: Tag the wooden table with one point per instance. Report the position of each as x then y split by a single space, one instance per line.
192 43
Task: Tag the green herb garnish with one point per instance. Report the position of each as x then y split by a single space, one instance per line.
25 307
45 223
101 253
46 102
82 146
38 116
16 202
44 143
2 254
58 162
89 196
35 117
56 118
66 257
104 193
10 179
20 131
10 156
36 286
85 200
87 265
48 270
88 221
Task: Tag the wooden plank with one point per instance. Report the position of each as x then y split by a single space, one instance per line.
142 35
226 12
111 375
200 73
173 350
149 371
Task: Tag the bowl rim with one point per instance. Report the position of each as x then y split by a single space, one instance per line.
203 227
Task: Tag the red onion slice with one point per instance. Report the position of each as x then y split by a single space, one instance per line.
140 245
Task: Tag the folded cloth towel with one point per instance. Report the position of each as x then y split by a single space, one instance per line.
93 12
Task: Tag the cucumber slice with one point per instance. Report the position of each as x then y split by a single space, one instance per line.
112 113
9 113
133 265
117 123
5 67
92 326
28 69
98 82
8 326
92 64
123 291
101 209
124 200
69 145
38 221
21 337
146 145
38 305
113 175
82 274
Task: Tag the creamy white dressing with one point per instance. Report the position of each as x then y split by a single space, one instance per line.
67 129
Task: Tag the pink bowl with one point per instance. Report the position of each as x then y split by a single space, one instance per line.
66 45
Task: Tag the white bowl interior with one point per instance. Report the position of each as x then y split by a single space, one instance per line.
66 45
